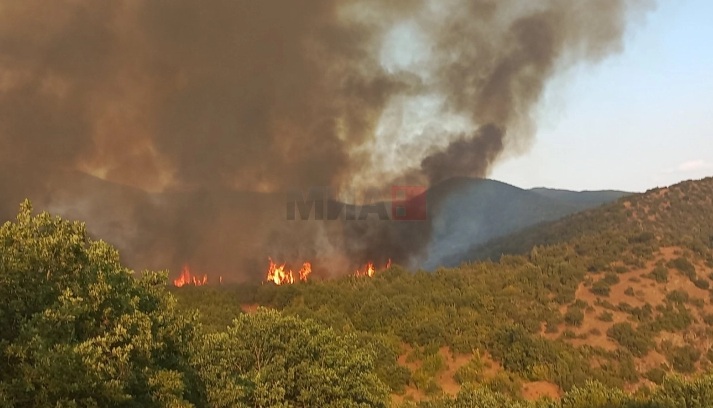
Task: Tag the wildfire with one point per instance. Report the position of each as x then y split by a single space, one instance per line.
280 275
369 270
305 271
186 278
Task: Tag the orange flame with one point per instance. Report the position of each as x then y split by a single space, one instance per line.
186 278
278 275
369 270
305 271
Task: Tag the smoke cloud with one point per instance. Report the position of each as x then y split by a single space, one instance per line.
172 127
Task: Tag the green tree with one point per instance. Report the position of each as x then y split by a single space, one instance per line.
78 329
678 392
268 359
595 395
636 342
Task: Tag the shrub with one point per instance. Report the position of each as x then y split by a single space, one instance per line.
471 372
611 278
655 375
606 316
678 296
636 342
574 316
600 288
701 283
684 266
659 274
684 358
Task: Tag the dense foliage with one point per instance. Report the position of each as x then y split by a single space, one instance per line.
80 330
524 310
568 308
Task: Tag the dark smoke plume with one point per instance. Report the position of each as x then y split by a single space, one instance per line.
172 126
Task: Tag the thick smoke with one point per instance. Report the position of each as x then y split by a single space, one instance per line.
204 111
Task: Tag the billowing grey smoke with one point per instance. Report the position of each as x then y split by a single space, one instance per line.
212 102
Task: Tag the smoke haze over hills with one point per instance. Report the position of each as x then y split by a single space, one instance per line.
204 99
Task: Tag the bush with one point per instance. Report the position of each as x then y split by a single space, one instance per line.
672 318
606 316
684 266
505 383
569 334
684 358
433 364
621 269
656 375
600 288
574 316
471 372
636 342
659 274
611 278
702 283
678 296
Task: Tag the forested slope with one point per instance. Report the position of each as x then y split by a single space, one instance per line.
619 295
609 308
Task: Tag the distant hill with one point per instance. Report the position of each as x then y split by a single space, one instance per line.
471 212
582 199
652 210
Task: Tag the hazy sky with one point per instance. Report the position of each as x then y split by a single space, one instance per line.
640 119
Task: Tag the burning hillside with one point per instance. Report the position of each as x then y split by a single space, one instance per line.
185 101
280 275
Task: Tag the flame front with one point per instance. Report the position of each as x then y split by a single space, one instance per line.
278 275
186 278
369 270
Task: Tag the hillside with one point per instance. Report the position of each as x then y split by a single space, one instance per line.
470 212
619 294
676 214
615 312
